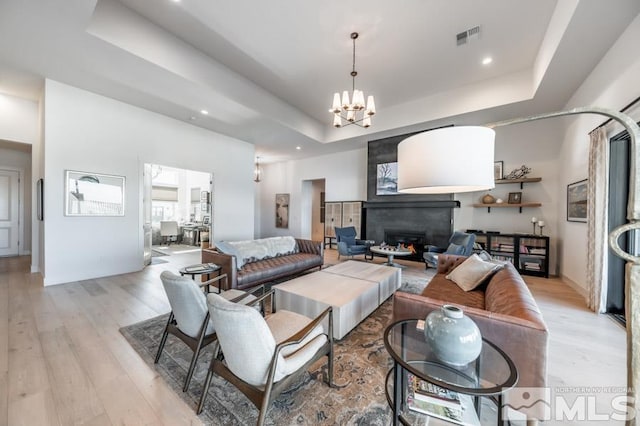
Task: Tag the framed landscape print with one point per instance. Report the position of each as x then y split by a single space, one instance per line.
93 194
577 201
387 179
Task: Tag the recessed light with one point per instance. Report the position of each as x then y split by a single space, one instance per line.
193 118
298 148
204 112
176 1
487 60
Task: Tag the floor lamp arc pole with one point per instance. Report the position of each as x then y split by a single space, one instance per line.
632 275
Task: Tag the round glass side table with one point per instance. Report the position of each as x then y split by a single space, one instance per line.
488 377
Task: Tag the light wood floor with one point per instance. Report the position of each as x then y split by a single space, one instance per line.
64 362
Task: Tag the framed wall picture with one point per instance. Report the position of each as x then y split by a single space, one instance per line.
515 198
498 167
387 179
577 201
93 194
282 210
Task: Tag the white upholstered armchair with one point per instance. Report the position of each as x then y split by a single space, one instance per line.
189 319
262 357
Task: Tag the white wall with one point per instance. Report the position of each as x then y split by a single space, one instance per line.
87 132
345 177
18 119
613 83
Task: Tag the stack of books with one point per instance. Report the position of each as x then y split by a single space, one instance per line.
427 398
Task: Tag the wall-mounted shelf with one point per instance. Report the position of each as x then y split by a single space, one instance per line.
520 181
502 205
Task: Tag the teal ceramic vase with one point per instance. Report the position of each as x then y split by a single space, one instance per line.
452 336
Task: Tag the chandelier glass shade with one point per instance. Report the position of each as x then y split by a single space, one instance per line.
351 109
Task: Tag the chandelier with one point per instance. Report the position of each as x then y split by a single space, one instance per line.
356 112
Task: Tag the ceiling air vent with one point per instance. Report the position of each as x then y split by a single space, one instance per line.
468 35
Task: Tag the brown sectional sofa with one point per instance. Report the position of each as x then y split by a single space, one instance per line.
309 254
503 309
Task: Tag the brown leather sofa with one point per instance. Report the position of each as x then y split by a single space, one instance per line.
503 309
309 255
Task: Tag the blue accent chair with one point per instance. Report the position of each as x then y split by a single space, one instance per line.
348 245
460 243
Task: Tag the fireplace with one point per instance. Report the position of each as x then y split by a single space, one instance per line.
412 240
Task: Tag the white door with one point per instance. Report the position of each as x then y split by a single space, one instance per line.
146 212
9 212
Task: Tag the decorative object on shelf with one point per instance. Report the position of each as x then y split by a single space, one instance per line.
356 111
453 337
515 197
577 201
257 171
488 199
540 225
499 201
497 169
519 173
534 221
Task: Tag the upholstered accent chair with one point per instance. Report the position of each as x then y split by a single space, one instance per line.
347 243
460 244
189 319
263 357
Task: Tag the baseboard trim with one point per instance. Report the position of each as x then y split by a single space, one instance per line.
577 287
35 269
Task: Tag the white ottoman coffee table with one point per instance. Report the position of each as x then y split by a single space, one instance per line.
353 298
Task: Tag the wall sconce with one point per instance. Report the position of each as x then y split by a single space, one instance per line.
257 172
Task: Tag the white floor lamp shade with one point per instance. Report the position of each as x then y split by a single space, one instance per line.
447 160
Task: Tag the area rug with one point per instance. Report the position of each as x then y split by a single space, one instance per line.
361 363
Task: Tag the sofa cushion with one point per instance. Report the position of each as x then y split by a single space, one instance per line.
472 272
440 288
276 267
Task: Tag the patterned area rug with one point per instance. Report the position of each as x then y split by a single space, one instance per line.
358 398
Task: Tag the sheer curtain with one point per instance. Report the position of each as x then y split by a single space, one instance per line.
597 219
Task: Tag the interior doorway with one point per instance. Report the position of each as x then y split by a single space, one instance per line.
177 210
312 209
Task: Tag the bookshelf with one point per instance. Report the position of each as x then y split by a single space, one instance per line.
528 253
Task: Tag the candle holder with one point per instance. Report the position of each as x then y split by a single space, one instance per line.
541 225
534 221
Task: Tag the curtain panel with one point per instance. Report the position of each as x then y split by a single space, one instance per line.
597 219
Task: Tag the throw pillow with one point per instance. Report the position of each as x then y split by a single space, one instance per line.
455 249
472 272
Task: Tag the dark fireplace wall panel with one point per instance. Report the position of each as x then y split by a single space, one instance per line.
428 214
435 223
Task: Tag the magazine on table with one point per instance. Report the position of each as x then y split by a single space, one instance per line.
435 401
201 267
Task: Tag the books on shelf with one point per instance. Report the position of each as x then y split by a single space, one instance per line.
427 398
538 251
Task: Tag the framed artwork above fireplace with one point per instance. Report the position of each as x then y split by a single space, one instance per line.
387 179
